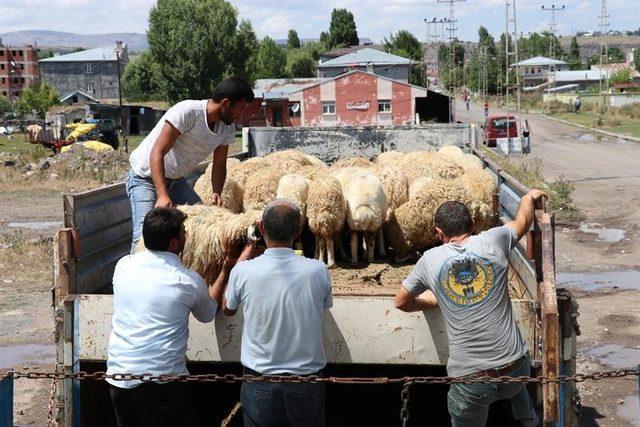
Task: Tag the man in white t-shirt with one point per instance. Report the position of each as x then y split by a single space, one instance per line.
153 297
283 298
187 133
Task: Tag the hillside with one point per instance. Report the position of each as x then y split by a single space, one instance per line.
57 39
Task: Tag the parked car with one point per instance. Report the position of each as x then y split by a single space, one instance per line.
496 127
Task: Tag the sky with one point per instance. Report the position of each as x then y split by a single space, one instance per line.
375 19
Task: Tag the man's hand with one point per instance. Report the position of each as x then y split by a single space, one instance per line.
537 194
228 263
408 302
250 251
524 218
163 202
216 200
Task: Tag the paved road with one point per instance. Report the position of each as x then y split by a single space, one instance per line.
606 174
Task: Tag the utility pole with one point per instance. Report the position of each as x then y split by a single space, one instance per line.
119 52
452 55
604 51
552 44
433 42
509 53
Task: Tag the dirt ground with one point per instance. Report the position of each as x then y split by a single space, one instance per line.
597 258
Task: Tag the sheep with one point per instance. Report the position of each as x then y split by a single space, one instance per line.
260 188
429 163
348 162
419 184
451 151
481 189
247 168
396 188
469 162
295 188
366 207
313 171
390 158
213 232
410 227
326 211
232 192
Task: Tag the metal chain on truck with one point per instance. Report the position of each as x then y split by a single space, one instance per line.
51 408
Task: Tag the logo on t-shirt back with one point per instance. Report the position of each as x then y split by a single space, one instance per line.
467 280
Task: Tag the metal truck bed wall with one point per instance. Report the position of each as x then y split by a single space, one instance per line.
358 330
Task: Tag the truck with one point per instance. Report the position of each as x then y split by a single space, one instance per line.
364 336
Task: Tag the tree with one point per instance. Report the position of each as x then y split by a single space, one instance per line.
636 58
245 60
194 43
141 79
37 99
620 76
293 42
342 30
575 62
405 44
300 63
271 60
315 49
6 106
616 55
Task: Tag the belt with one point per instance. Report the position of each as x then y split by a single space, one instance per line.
498 372
249 371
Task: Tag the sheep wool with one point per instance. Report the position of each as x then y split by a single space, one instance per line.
261 188
481 188
231 191
389 158
395 185
360 162
294 188
326 211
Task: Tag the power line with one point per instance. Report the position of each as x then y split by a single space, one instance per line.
452 54
552 42
604 48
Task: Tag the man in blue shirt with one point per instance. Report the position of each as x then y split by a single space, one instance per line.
283 298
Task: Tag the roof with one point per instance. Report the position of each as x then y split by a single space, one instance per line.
366 56
538 60
578 75
79 92
340 51
614 68
324 80
280 88
563 88
104 53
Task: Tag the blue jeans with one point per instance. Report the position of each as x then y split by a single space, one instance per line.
282 404
469 403
142 195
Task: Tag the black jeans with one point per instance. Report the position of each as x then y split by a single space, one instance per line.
282 404
154 404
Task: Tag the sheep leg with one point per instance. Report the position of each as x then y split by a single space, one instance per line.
381 248
299 245
343 252
321 249
331 261
370 242
316 254
354 246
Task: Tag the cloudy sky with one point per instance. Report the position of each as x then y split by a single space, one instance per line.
375 19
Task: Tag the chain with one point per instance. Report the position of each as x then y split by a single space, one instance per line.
231 378
51 421
404 412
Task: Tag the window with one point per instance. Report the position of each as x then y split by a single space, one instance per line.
18 93
4 93
4 80
22 80
20 53
1 52
384 106
328 107
22 66
90 88
294 109
1 66
16 80
88 68
13 53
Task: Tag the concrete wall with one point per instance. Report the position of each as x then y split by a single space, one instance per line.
332 143
68 76
613 100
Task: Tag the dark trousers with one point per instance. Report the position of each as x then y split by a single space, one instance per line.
154 404
282 404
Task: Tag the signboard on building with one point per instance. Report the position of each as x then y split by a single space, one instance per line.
362 105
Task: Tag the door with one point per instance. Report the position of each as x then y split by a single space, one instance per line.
276 119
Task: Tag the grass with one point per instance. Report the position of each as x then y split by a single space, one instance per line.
625 120
530 174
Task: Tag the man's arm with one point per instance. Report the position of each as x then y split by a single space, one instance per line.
217 289
219 173
408 302
524 218
250 251
164 143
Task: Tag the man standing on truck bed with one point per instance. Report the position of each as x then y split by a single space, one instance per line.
153 295
467 277
283 298
187 133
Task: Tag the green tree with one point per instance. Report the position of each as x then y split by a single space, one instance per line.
271 60
300 63
575 62
245 59
620 76
342 30
293 42
6 106
141 79
315 49
37 99
325 40
616 55
405 44
194 43
636 58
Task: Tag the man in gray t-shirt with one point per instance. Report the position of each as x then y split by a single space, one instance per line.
467 277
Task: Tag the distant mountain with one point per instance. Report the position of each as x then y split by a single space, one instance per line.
57 39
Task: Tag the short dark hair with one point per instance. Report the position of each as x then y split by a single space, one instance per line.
233 89
281 220
160 226
454 219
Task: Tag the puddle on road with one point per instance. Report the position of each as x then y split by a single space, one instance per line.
614 355
630 410
35 225
608 235
626 280
27 354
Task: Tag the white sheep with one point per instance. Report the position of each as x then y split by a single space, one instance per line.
326 211
232 191
366 207
261 188
295 188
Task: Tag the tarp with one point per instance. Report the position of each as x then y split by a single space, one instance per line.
93 145
79 129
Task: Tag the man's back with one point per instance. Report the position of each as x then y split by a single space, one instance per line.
153 296
470 283
283 296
